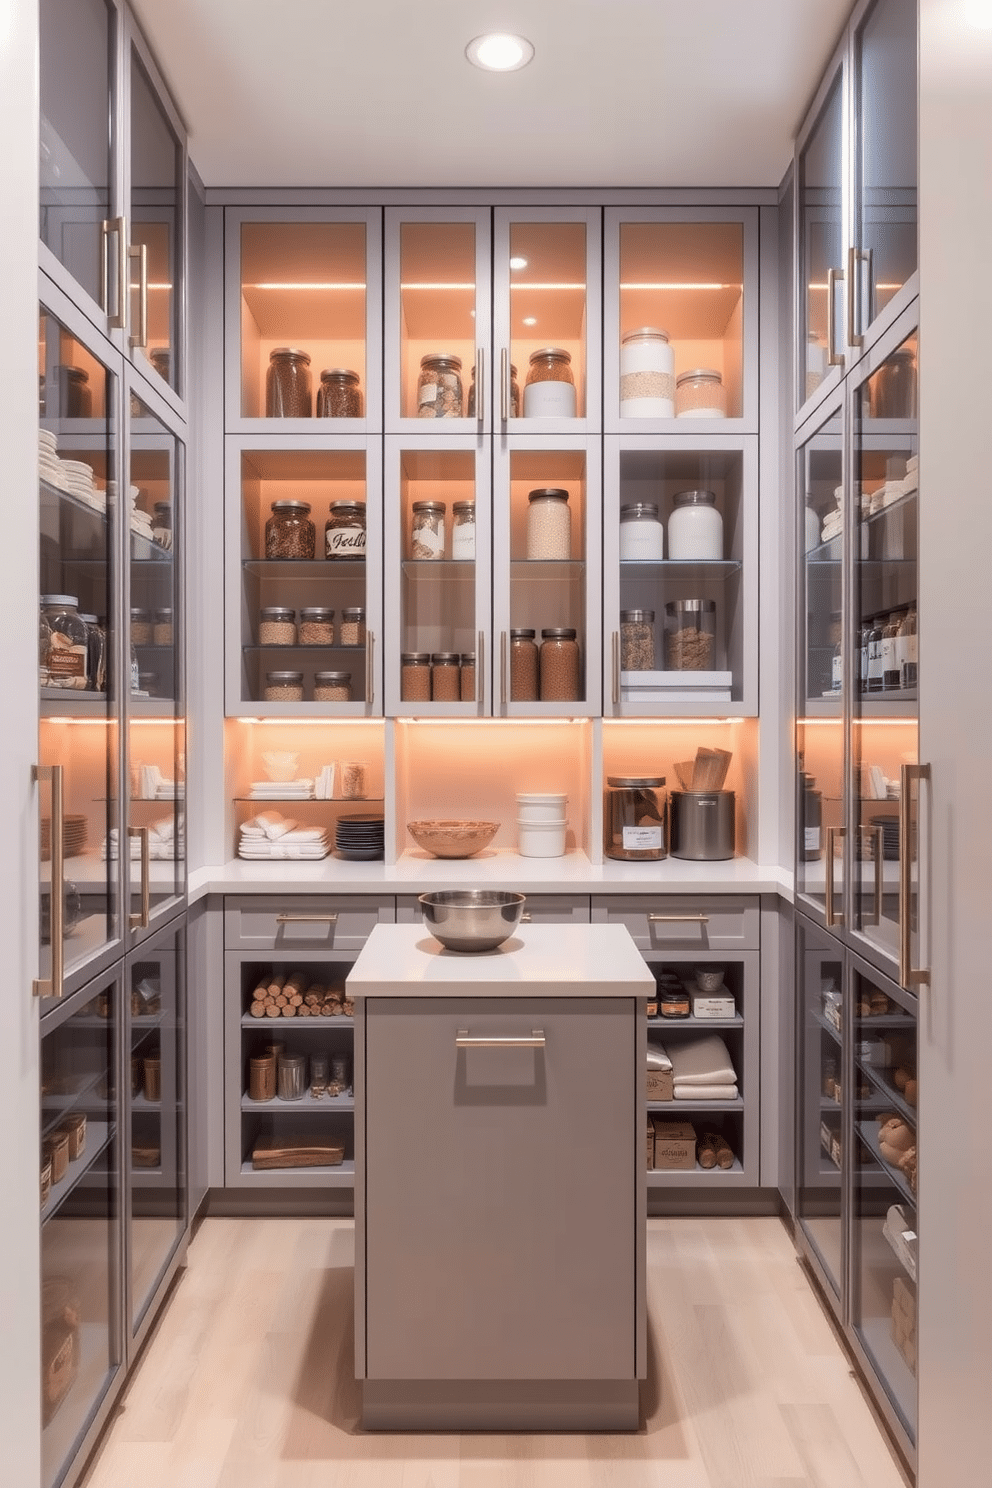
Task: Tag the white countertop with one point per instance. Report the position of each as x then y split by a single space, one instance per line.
536 961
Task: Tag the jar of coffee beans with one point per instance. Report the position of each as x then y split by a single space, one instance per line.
467 677
283 687
332 687
339 394
353 626
560 665
344 530
276 626
316 626
415 677
523 666
439 386
637 640
289 532
288 392
445 678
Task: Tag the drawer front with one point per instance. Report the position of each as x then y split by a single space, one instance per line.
540 909
660 924
321 922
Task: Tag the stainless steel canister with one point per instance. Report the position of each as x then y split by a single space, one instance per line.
701 825
292 1076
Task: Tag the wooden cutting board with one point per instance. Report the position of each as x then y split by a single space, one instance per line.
297 1152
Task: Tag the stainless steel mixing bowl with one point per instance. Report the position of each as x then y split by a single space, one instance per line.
472 919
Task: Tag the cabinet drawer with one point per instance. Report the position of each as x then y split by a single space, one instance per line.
304 922
663 923
540 909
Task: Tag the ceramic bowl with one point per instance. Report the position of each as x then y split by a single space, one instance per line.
452 839
280 764
472 919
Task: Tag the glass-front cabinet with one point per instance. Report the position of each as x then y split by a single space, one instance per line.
820 199
820 1118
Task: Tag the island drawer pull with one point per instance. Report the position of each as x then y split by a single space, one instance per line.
306 919
689 919
534 1040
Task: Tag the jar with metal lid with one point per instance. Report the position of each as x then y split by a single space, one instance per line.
634 818
332 687
96 653
672 1003
427 530
700 394
550 388
560 674
647 374
141 627
893 388
463 531
891 671
637 640
908 650
549 524
289 532
44 646
415 676
352 626
288 391
466 677
344 530
695 528
276 626
642 533
523 666
445 676
439 386
316 626
283 687
162 524
68 648
291 1076
339 394
162 631
75 398
690 635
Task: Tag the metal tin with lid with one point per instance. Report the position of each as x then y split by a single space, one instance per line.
634 818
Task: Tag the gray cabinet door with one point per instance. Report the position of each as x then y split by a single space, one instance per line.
500 1197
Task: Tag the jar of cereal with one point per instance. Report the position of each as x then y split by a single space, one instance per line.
439 386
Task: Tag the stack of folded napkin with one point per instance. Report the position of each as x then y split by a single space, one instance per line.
269 835
281 790
163 842
702 1069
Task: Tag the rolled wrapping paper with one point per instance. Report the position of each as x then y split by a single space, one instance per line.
702 1062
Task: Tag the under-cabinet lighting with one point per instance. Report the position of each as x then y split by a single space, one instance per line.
437 286
314 722
300 284
503 722
499 51
534 285
159 286
679 722
677 285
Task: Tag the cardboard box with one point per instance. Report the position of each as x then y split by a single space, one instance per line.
674 1145
661 1085
714 1007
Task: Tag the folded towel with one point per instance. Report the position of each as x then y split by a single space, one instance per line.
705 1092
658 1057
301 851
702 1061
269 824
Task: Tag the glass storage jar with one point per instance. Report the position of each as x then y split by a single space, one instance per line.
344 530
353 626
634 818
289 532
96 654
695 527
162 524
162 631
141 627
463 531
891 671
339 394
283 687
907 650
700 394
642 533
332 687
44 646
439 386
560 681
466 677
427 530
893 388
523 666
316 626
647 374
550 388
445 678
690 635
276 626
549 524
288 392
75 398
637 640
415 677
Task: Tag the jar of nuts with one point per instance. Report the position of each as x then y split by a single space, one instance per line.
439 386
332 687
445 676
467 677
288 392
339 395
352 626
550 388
141 626
283 687
523 666
690 635
637 640
344 530
162 629
415 677
316 626
276 626
289 532
560 682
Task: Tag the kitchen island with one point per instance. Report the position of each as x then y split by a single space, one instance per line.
500 1189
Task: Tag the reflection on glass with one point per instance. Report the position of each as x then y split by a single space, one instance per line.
437 318
156 185
819 1187
548 317
438 585
821 167
887 164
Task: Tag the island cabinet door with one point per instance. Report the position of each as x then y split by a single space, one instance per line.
501 1191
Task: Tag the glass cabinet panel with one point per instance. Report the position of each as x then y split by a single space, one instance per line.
884 1227
156 196
819 1196
547 375
822 240
81 1344
156 725
820 719
156 1190
441 321
885 591
77 47
78 636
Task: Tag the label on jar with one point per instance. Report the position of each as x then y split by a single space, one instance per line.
344 542
642 540
812 839
428 541
66 662
837 673
427 393
549 400
462 541
641 839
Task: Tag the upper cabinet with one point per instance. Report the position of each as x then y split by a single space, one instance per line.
112 184
856 172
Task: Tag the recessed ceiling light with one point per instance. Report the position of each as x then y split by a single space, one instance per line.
530 320
497 51
517 262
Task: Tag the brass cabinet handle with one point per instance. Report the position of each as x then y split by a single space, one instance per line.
480 385
502 668
140 255
686 919
480 653
833 834
909 975
615 647
504 384
834 357
307 919
117 225
369 668
534 1040
855 310
141 920
54 986
874 835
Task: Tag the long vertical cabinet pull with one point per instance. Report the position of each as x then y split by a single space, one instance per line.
142 918
369 668
834 834
504 384
855 309
139 255
615 649
480 681
834 357
118 226
502 668
909 975
54 985
873 835
480 385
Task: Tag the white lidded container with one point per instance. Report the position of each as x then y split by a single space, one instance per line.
545 808
541 839
647 374
695 528
642 533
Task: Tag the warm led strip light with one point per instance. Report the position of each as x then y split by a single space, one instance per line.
675 285
275 284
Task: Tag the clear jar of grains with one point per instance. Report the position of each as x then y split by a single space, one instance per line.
439 386
549 524
162 629
276 626
550 388
344 530
339 394
353 626
288 392
332 687
289 532
316 626
141 627
445 678
700 394
415 676
637 640
283 687
466 677
427 530
523 666
559 665
690 635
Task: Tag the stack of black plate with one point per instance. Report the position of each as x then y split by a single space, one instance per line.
889 826
361 837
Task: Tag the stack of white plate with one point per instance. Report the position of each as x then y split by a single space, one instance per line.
81 484
49 465
541 824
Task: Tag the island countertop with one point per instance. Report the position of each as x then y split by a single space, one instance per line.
537 960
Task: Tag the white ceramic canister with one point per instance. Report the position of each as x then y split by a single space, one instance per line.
695 528
642 533
541 839
543 808
647 374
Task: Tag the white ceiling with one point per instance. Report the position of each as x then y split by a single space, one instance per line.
378 93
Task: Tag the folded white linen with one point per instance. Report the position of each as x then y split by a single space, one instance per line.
705 1092
658 1057
702 1061
281 787
304 850
269 824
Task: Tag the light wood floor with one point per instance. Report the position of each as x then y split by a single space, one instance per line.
247 1382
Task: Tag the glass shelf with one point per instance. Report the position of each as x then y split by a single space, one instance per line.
305 568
